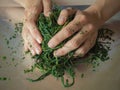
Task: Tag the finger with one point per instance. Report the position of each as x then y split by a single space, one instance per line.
34 45
73 44
28 46
34 31
31 43
47 4
89 43
65 13
69 30
25 34
32 50
66 32
83 49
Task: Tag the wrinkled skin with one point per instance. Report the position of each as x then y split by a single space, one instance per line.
30 33
85 23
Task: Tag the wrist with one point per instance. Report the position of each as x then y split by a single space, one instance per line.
32 13
106 8
96 14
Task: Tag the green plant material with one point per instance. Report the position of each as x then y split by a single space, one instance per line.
58 66
82 75
18 28
4 57
23 58
3 78
13 59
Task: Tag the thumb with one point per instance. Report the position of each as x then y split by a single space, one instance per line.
47 5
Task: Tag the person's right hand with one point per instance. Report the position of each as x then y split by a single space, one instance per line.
32 37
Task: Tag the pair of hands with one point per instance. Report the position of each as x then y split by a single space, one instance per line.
85 23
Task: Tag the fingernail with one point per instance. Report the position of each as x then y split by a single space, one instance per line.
78 53
61 20
47 14
39 41
37 51
33 52
56 54
50 45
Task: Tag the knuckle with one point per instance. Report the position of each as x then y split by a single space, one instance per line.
64 12
78 12
77 24
62 51
82 51
69 31
56 40
31 21
74 44
83 18
70 9
34 43
91 27
34 32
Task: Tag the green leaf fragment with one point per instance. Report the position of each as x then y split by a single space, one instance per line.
4 57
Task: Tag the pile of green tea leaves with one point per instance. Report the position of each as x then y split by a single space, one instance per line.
58 66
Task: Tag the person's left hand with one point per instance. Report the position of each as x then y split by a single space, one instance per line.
85 24
30 33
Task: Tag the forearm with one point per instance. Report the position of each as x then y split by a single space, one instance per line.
28 3
106 8
32 8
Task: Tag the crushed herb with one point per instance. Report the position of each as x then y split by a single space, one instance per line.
7 41
18 27
12 49
4 57
23 58
82 75
13 59
58 66
3 78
